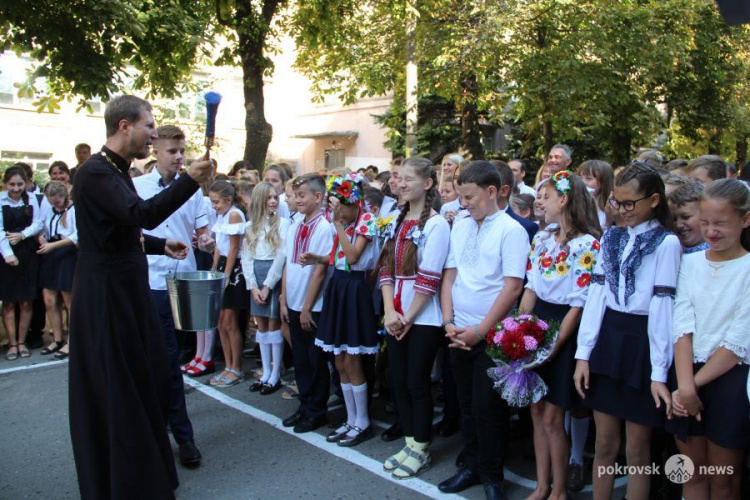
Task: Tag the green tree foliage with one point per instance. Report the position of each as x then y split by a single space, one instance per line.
96 48
603 76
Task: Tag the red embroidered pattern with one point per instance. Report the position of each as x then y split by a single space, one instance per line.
401 243
427 282
302 238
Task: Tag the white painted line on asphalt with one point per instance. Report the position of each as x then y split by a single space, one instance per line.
33 367
349 454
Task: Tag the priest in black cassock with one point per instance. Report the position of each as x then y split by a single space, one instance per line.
119 375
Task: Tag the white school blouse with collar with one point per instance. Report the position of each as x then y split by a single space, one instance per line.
263 251
561 274
224 229
180 226
483 257
315 237
364 226
713 306
53 227
432 250
36 225
635 282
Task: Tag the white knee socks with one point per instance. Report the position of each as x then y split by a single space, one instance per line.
277 355
351 406
360 401
208 344
265 355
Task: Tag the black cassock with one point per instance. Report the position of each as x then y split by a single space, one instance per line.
119 375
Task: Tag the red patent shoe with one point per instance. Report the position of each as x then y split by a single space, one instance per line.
192 364
202 368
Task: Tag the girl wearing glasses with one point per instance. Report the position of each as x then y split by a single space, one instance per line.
624 344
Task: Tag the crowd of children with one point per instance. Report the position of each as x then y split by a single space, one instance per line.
645 269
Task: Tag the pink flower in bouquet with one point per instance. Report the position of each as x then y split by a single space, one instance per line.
531 329
510 324
544 326
497 337
525 317
530 343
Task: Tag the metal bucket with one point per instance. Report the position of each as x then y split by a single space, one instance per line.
195 297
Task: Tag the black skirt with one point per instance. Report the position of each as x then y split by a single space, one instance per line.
236 294
620 370
271 308
347 321
58 268
725 418
558 373
19 283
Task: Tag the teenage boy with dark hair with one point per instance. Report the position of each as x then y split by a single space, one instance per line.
302 299
482 280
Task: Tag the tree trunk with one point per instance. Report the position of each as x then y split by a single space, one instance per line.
741 151
412 111
622 141
258 132
714 142
471 134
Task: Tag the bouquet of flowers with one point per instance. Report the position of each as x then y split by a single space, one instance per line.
518 344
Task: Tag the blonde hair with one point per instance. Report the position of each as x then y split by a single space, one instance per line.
55 188
260 218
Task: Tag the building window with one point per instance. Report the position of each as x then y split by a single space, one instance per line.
335 158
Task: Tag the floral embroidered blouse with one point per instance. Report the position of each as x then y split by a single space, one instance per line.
364 226
561 273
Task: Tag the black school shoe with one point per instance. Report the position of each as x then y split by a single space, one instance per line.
493 490
292 420
463 479
190 456
360 437
307 424
392 433
270 389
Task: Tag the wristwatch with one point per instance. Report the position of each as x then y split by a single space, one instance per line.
449 322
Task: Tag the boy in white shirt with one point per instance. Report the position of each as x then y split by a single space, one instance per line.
302 299
482 280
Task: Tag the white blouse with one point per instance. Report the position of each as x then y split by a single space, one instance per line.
53 226
561 274
263 251
35 227
635 279
483 257
432 250
224 229
712 305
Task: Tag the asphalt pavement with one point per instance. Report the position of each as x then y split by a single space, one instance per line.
247 453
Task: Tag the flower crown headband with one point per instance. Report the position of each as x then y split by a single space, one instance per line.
561 181
346 189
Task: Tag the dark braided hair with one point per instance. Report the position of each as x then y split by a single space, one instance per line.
426 170
649 183
18 169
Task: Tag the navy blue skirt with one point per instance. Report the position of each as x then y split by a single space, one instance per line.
58 268
347 321
558 373
725 419
236 294
620 370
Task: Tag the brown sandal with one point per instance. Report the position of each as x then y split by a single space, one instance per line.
55 346
12 356
24 353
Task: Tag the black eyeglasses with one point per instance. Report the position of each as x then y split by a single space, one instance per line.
628 205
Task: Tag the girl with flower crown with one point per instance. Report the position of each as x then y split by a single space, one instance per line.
561 261
347 320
